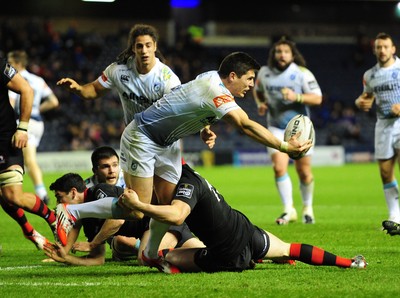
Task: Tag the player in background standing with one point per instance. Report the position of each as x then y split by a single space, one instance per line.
43 100
283 89
139 75
382 84
13 138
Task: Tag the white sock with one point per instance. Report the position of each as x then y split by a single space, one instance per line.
285 189
307 192
102 208
391 191
157 231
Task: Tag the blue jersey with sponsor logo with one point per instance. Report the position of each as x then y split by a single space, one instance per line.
271 81
384 82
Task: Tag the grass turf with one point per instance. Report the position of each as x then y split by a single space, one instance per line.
349 207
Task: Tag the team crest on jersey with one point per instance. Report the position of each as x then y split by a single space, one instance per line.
220 100
157 87
10 71
100 194
134 166
124 78
395 74
292 77
185 190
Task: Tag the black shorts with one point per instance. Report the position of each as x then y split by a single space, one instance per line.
182 233
9 156
256 249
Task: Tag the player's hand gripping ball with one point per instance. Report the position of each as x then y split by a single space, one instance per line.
300 123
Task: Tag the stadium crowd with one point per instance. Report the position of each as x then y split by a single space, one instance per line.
83 54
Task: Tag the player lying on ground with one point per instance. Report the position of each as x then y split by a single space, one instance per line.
71 189
232 242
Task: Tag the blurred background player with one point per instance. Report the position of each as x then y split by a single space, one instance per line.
376 83
283 89
13 138
43 100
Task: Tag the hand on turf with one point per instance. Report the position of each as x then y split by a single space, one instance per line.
55 251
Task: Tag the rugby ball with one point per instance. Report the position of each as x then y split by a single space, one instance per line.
304 124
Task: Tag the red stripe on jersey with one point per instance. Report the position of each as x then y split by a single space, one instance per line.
103 77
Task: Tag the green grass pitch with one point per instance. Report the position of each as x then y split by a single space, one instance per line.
349 207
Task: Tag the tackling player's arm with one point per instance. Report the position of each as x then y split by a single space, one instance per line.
91 90
174 214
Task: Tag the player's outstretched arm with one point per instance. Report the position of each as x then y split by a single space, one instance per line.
91 90
262 135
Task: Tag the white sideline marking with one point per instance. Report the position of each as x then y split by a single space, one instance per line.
19 267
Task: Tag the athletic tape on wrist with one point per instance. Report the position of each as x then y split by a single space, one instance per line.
23 125
284 146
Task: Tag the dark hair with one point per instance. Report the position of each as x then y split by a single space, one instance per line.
383 35
66 182
297 56
101 153
136 31
239 63
19 56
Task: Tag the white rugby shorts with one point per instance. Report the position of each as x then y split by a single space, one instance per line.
141 157
35 132
279 133
387 138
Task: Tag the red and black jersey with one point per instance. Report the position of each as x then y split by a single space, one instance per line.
224 230
8 121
